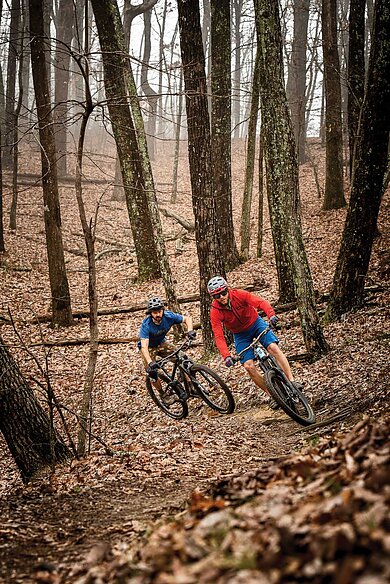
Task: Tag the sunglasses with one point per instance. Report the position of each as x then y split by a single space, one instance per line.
219 294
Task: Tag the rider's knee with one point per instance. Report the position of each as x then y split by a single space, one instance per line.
249 366
273 348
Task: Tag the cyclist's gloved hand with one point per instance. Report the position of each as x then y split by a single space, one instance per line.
229 361
273 321
191 335
151 370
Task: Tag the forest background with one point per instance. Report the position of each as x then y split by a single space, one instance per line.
122 178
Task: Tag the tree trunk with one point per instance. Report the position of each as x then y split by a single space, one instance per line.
15 151
356 69
65 27
60 297
199 151
177 141
370 164
115 63
334 188
31 439
245 227
237 11
260 218
296 84
150 94
2 243
221 128
13 49
282 175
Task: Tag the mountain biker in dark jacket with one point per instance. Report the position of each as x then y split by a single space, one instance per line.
237 310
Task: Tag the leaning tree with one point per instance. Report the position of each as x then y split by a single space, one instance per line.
26 427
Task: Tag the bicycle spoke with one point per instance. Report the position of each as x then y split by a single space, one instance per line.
212 389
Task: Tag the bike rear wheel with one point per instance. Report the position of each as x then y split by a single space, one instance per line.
212 389
168 399
291 400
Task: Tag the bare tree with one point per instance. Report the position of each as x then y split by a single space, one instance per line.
221 128
65 32
245 227
60 297
282 176
296 83
150 94
356 71
199 152
2 243
369 170
13 50
334 187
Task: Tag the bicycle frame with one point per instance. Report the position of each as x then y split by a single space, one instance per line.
262 356
180 362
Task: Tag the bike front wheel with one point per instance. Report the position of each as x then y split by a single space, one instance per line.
167 399
291 400
212 389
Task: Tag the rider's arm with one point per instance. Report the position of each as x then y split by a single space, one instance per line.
216 325
145 350
188 322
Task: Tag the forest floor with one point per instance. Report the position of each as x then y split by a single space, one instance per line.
248 497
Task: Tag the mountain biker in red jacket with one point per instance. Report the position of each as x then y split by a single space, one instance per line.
237 310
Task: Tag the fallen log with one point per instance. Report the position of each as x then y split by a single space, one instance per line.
279 308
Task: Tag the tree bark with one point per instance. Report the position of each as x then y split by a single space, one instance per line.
30 437
150 94
334 188
296 83
282 175
245 227
356 70
2 243
60 297
199 151
65 27
370 164
221 128
115 63
13 49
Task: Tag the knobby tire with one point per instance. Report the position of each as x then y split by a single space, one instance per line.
178 410
208 384
277 387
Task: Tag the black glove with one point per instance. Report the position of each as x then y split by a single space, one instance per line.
151 370
273 321
229 361
191 335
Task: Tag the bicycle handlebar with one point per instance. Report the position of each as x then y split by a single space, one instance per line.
185 344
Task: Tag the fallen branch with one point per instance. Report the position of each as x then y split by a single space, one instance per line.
183 300
169 213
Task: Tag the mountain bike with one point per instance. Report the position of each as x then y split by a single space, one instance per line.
291 399
181 379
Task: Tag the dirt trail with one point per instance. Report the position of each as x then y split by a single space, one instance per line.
61 527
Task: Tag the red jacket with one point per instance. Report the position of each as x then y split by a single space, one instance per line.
237 316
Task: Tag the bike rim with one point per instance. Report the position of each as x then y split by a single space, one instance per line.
168 401
292 401
211 391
